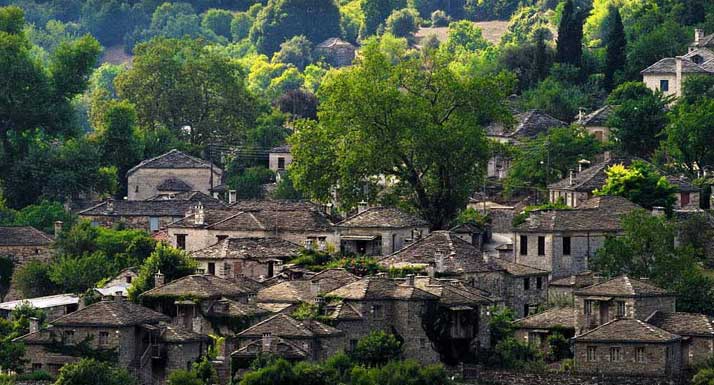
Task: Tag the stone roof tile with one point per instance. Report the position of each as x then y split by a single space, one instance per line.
627 330
381 217
23 236
549 319
249 248
623 286
205 286
683 324
173 159
111 313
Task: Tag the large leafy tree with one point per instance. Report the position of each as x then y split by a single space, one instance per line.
641 183
376 12
90 372
119 139
280 20
415 121
197 93
690 135
171 262
34 97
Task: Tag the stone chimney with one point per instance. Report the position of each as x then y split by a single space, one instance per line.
232 196
410 280
572 178
267 342
658 211
110 205
362 207
430 271
678 75
58 228
118 296
439 261
698 35
199 215
314 288
159 279
34 324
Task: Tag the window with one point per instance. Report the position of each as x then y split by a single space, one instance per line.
698 59
620 309
526 310
378 312
221 237
539 282
68 336
422 343
588 307
103 338
592 353
281 163
36 366
541 245
684 199
615 354
664 85
353 345
128 279
640 354
136 189
211 268
524 245
181 241
526 283
153 223
566 245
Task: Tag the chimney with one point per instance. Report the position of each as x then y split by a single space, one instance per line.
232 196
698 35
267 342
362 207
34 325
199 214
58 228
315 288
572 177
118 296
678 74
430 271
581 114
159 279
439 261
410 280
110 205
658 211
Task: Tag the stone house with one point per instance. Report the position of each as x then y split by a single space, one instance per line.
287 295
379 303
528 125
279 158
536 328
119 284
596 122
172 172
135 336
23 244
668 74
621 297
578 187
562 241
563 288
378 231
445 254
255 258
302 223
150 215
336 51
696 331
629 347
54 306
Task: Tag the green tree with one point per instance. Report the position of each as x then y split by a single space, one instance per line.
403 23
615 58
570 36
296 51
41 216
241 25
197 93
638 122
696 88
641 183
119 139
280 20
184 377
90 372
690 135
249 184
377 349
705 376
171 262
33 280
376 12
464 36
549 157
561 99
422 127
6 269
439 18
219 21
286 190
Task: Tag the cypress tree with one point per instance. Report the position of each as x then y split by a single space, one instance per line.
570 36
615 58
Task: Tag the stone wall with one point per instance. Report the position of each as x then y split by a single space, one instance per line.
142 183
582 247
197 239
392 239
273 160
659 359
136 222
22 255
519 378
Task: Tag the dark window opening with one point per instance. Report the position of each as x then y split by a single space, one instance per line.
539 282
664 85
281 163
541 245
684 198
566 245
271 268
526 308
211 268
181 241
524 245
526 283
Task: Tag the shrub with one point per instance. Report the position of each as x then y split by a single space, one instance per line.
376 349
439 18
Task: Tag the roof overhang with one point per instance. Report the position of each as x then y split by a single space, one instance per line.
359 237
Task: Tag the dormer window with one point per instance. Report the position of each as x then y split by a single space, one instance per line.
698 59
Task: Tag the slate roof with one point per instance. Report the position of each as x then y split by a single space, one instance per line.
627 330
42 302
683 324
623 286
452 293
459 256
111 313
379 288
668 65
516 269
594 177
249 248
176 335
284 326
23 236
597 118
155 208
344 311
173 159
302 290
549 319
381 217
274 205
237 219
528 125
205 286
174 184
279 346
281 149
467 228
225 307
596 214
333 42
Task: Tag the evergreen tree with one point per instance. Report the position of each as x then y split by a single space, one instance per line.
615 58
570 36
